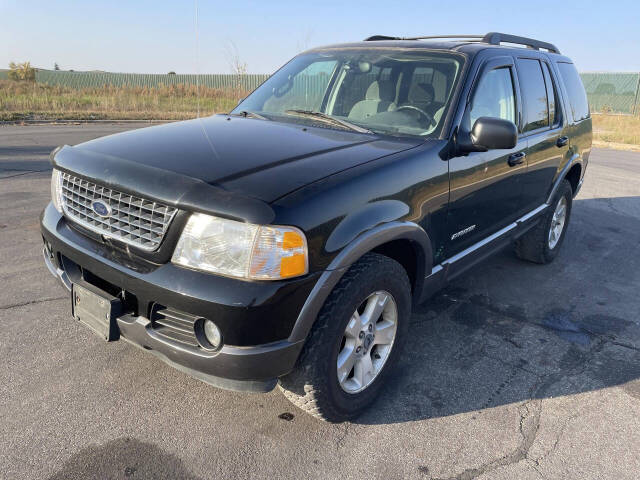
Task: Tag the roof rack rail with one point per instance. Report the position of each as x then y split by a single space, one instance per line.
495 38
374 38
386 37
461 37
492 38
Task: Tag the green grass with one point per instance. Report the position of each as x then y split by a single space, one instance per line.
35 101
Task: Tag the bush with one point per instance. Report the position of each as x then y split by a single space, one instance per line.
22 71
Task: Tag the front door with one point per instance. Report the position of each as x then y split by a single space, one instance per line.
486 187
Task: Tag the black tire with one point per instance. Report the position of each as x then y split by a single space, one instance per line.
533 246
313 384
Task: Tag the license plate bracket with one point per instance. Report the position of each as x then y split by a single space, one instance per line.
96 309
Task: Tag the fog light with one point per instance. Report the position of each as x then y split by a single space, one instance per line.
212 333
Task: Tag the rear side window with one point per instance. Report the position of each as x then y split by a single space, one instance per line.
575 89
534 94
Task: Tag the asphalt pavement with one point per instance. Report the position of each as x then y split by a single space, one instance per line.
516 371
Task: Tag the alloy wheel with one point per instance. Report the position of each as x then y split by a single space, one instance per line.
557 223
367 342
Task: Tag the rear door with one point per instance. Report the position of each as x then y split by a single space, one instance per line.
486 187
543 126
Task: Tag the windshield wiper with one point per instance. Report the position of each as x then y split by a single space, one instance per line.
323 117
248 114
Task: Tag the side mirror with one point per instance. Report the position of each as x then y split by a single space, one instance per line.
489 133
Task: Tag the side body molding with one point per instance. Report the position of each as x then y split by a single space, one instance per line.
362 244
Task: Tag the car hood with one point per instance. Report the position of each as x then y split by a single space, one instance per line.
256 158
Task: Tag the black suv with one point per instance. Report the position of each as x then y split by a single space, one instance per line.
286 242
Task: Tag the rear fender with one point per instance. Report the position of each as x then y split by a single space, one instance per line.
575 159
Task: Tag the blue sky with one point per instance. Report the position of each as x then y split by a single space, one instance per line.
158 36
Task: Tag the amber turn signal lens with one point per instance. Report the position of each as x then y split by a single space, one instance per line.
292 240
292 266
278 252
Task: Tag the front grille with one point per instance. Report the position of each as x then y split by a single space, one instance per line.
132 220
174 325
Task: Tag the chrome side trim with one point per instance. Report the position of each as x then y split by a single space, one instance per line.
485 241
480 244
532 213
436 269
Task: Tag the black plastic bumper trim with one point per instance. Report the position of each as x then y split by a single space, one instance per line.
233 368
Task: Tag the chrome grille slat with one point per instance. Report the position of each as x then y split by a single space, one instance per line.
133 220
182 317
175 325
177 336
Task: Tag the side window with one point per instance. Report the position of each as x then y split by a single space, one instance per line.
494 97
534 94
555 111
575 89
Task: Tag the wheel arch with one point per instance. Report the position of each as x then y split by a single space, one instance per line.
574 168
388 239
573 176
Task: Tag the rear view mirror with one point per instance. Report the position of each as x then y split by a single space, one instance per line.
489 133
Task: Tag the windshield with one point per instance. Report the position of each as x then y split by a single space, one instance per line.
391 91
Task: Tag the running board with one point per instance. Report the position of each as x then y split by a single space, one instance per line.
453 266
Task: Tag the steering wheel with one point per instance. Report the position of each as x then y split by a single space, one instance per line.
424 114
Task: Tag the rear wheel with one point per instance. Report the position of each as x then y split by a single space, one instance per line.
542 243
354 343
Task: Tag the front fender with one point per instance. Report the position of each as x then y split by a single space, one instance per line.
356 248
364 219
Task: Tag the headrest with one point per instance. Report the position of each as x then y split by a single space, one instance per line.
422 92
382 90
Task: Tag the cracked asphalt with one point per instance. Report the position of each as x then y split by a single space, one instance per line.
514 371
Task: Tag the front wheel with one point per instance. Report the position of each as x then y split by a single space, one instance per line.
354 343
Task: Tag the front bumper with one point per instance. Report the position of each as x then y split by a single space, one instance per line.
255 318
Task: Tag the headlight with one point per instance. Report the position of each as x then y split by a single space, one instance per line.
241 250
56 189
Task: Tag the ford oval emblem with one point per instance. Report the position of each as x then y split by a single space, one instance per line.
101 209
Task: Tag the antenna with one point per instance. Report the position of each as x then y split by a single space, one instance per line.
197 63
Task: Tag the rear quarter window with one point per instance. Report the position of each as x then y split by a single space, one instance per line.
575 89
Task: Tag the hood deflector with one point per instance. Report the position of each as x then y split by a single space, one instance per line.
171 188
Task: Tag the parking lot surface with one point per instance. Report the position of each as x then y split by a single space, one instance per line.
516 371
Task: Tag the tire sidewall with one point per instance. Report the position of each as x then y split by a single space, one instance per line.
397 285
566 192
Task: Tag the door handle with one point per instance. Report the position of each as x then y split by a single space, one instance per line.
562 141
516 159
